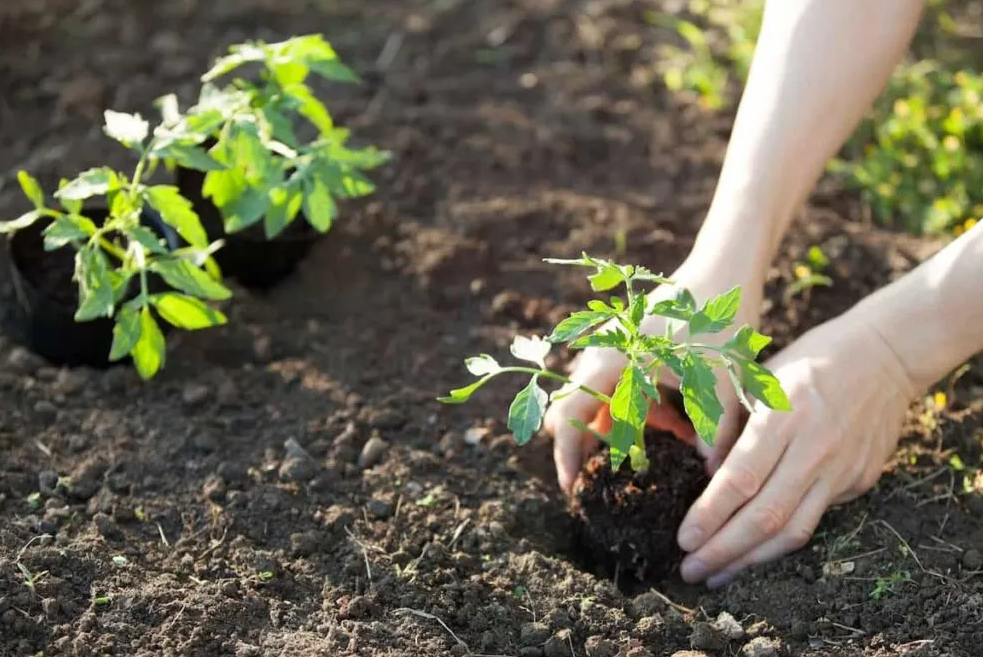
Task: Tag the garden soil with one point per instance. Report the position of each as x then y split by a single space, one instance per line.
290 487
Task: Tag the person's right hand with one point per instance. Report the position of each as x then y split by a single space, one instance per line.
600 368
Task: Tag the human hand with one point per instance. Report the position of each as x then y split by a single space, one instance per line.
849 393
600 368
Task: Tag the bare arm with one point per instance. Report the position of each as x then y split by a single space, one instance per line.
818 66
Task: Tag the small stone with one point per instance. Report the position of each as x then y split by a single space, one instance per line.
22 361
728 626
232 473
343 447
760 647
70 382
47 481
195 394
358 607
648 604
205 441
107 527
706 637
77 442
597 646
46 411
380 509
533 634
451 444
475 435
294 450
84 488
558 645
372 453
297 470
972 559
214 488
304 544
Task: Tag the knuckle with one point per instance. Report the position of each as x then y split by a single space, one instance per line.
742 481
769 520
798 536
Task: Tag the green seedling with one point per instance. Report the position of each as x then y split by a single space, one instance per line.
809 273
617 324
257 168
119 254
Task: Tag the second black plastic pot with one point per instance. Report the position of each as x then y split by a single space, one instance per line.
38 298
249 256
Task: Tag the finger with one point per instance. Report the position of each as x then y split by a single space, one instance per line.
796 535
568 441
766 516
743 473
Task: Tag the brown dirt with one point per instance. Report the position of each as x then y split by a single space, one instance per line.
625 521
179 518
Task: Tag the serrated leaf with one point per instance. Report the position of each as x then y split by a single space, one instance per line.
717 314
126 333
461 395
319 208
526 411
762 384
246 210
186 312
532 349
149 351
735 379
147 239
31 188
575 324
636 311
190 157
613 337
747 342
607 277
65 229
95 285
177 211
128 129
647 385
700 397
628 403
24 221
482 365
682 307
184 276
620 441
285 204
92 182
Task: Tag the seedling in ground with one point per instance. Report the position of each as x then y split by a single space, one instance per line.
617 324
116 257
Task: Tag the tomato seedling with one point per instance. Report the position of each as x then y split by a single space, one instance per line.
617 324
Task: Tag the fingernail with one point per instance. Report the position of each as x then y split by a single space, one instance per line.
690 538
721 579
693 570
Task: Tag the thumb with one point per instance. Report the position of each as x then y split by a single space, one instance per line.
570 445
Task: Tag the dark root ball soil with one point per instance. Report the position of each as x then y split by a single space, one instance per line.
626 522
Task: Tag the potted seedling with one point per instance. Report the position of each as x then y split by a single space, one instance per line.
98 277
630 498
269 175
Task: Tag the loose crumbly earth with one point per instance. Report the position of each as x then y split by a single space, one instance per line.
224 510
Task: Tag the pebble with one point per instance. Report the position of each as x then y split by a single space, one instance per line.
648 604
760 647
972 559
558 645
22 361
372 453
304 544
195 394
728 626
706 637
77 442
297 470
533 634
381 509
46 411
47 481
233 473
294 450
451 444
597 646
107 526
70 382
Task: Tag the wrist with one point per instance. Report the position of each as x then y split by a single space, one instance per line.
736 242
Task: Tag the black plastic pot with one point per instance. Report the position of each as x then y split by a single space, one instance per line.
38 297
248 256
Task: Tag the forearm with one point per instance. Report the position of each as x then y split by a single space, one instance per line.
932 317
818 66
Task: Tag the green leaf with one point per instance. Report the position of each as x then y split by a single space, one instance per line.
310 107
461 395
636 311
95 285
526 411
149 351
65 229
628 403
128 129
613 337
607 277
735 379
285 203
532 349
700 397
147 239
183 275
763 385
246 210
126 333
721 310
647 385
747 342
682 307
575 324
319 208
177 211
189 157
238 55
622 438
482 365
31 188
186 312
24 221
92 182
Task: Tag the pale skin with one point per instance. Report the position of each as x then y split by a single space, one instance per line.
818 66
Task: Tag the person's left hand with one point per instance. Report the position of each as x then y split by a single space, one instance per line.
849 393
